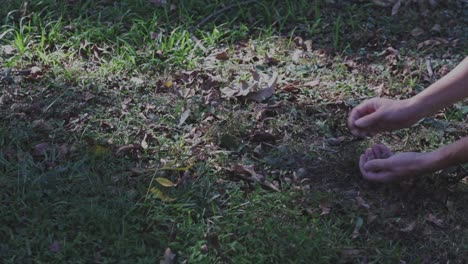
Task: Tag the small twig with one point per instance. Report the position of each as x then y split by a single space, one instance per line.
265 184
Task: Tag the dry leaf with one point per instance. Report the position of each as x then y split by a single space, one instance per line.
137 81
7 49
417 32
312 83
244 169
359 224
299 41
169 257
35 70
392 51
143 143
429 68
297 55
263 94
429 43
308 45
396 7
127 148
247 173
255 89
271 61
436 28
223 56
378 89
291 87
362 203
325 205
184 117
435 221
409 228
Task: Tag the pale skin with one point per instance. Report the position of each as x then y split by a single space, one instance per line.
378 163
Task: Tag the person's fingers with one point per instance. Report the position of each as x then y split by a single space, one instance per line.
386 152
381 177
369 154
362 161
377 165
368 121
365 108
378 153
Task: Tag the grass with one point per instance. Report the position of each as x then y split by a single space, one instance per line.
108 104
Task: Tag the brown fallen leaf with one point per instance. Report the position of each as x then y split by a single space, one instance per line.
417 32
271 61
409 228
263 94
244 169
291 87
247 173
312 83
429 43
258 88
432 219
123 150
325 206
223 56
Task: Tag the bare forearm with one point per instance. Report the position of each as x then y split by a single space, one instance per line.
453 154
452 88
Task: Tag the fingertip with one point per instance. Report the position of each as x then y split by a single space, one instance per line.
362 161
369 154
377 151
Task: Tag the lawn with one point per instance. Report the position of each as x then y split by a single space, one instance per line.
140 131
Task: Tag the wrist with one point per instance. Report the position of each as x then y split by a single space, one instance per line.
433 161
417 108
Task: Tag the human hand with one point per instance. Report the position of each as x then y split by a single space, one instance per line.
381 114
379 164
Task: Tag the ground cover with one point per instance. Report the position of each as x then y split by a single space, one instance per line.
218 130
